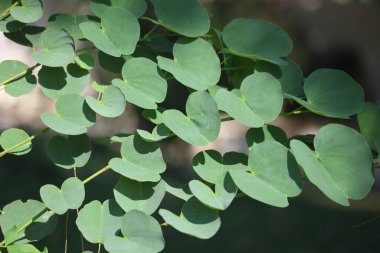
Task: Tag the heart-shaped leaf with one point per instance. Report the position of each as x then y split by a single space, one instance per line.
340 166
369 123
142 84
57 81
267 132
73 152
210 165
141 160
202 123
97 222
136 7
332 93
18 213
273 174
111 105
17 78
116 35
195 219
290 76
258 101
73 116
141 233
225 192
135 195
186 17
195 63
12 137
56 48
70 196
258 39
28 12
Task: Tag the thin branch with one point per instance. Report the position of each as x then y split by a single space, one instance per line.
8 11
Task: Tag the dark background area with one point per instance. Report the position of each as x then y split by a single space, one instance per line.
334 34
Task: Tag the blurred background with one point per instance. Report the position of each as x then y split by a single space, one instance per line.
341 34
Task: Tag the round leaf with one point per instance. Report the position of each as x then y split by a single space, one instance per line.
273 174
186 17
340 166
56 48
97 222
257 39
259 100
70 196
142 84
143 196
141 160
12 137
23 82
28 12
196 219
202 123
195 63
111 105
332 93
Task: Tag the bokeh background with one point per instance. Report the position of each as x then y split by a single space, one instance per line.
342 34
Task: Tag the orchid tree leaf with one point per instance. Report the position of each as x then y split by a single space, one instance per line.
160 132
28 11
12 137
201 125
135 195
136 7
341 164
369 123
258 101
267 132
141 160
195 63
142 83
186 17
111 105
332 93
70 23
195 219
56 48
70 196
272 175
85 61
257 39
98 222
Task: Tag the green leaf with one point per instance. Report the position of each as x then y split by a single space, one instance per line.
142 84
160 132
111 105
195 219
290 76
57 81
17 78
73 115
267 132
69 23
273 174
4 5
23 248
340 166
369 123
9 24
202 123
99 87
116 35
18 213
258 101
210 165
135 195
98 222
26 36
70 196
332 93
110 63
12 137
85 61
257 39
195 63
179 190
225 192
75 151
141 233
141 160
154 116
238 68
56 48
136 7
28 12
10 236
186 17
